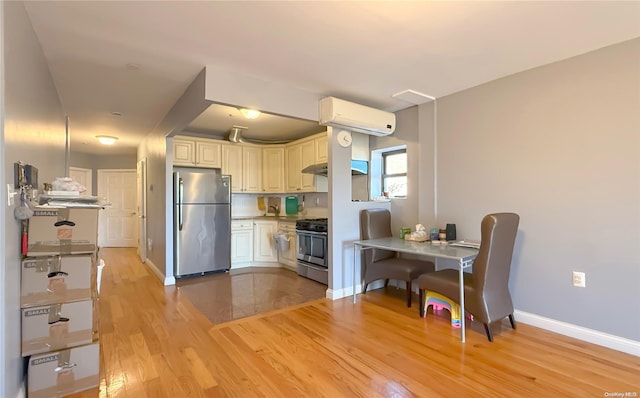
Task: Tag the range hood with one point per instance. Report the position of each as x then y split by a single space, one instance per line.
358 167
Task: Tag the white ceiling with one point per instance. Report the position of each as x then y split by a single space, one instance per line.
137 58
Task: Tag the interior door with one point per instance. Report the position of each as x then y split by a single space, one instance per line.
118 226
84 177
141 208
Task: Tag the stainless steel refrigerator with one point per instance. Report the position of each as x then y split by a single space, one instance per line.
201 220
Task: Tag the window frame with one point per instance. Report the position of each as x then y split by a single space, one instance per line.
384 174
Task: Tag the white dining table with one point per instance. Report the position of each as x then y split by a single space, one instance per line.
464 256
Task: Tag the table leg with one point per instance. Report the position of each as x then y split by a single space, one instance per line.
355 250
462 318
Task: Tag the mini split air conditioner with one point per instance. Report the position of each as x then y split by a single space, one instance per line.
355 117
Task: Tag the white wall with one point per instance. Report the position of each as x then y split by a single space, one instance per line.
96 162
560 145
405 210
34 132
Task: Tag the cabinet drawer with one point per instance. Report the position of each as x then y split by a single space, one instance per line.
239 225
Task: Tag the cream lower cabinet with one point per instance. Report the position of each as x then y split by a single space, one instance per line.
263 247
288 257
241 243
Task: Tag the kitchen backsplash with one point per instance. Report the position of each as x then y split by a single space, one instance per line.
246 205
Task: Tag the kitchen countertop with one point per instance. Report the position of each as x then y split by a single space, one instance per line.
272 218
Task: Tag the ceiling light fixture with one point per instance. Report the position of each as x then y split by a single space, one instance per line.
106 139
413 96
250 113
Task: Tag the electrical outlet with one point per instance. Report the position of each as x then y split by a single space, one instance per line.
579 279
150 244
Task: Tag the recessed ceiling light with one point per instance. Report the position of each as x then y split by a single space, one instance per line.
132 66
116 113
106 139
249 113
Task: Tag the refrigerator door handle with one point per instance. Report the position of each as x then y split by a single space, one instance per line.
180 198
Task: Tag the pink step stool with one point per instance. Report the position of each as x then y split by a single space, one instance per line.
438 302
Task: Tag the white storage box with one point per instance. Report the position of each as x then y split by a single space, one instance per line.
57 326
61 373
50 280
63 231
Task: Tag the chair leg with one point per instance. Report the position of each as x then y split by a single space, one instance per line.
365 288
421 300
386 282
488 330
409 294
512 320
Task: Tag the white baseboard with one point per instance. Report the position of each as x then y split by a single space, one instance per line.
23 389
578 332
338 294
348 291
167 281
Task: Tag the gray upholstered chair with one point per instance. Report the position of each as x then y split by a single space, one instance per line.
486 293
383 264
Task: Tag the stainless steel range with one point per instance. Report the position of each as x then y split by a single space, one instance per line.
312 249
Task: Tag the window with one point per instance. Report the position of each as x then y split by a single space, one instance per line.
394 173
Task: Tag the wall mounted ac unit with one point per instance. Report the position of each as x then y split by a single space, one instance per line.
355 117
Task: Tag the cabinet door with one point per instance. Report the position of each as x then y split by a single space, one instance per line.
252 162
232 164
183 152
241 248
293 158
263 247
308 150
322 151
288 257
208 154
273 169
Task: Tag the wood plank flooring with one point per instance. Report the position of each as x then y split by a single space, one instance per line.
154 343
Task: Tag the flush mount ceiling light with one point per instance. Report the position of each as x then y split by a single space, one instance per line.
106 139
250 113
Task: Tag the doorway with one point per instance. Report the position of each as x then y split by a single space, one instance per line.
118 226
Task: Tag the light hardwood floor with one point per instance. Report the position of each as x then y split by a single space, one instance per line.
154 343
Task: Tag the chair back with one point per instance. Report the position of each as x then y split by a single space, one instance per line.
492 266
375 223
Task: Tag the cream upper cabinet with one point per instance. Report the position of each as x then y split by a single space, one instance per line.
208 154
244 164
251 169
293 163
301 154
308 153
197 152
183 152
273 169
232 164
266 168
322 150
